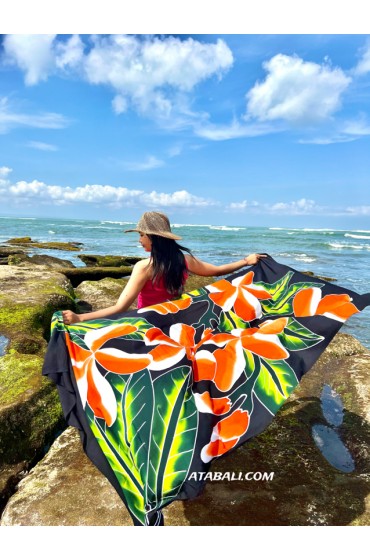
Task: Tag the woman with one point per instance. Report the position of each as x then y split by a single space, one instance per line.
162 276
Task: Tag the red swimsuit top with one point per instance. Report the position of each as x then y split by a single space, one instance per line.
155 293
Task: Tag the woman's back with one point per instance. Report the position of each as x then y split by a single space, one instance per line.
155 291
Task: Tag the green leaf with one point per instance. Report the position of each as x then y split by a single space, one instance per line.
137 406
121 465
250 363
78 339
182 448
277 288
274 384
196 293
225 324
284 305
174 429
140 323
238 322
301 331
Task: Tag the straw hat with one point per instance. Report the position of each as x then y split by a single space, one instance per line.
155 223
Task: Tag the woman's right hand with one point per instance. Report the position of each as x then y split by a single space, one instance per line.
254 258
69 317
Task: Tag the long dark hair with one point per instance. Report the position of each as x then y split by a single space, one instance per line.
168 262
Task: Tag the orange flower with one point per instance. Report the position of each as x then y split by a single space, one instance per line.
169 350
264 341
225 435
241 295
309 302
92 385
168 306
225 365
213 405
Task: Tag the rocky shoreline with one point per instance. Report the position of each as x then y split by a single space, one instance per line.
46 479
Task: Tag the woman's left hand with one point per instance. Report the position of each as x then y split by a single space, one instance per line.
254 258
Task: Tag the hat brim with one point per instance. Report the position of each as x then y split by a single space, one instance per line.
167 234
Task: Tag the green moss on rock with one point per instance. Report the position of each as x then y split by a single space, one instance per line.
78 275
64 246
108 260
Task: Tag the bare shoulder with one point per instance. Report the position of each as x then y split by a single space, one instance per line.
143 263
142 267
190 260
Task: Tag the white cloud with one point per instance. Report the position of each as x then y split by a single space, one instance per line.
151 74
69 54
32 192
4 171
41 55
363 66
234 130
238 205
295 207
11 117
150 71
177 199
359 210
302 206
119 104
42 146
348 131
32 53
151 162
175 150
296 91
357 127
325 141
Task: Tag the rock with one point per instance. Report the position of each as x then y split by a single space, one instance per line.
6 251
305 488
326 278
52 263
30 411
78 275
194 282
44 496
19 240
59 245
108 260
93 295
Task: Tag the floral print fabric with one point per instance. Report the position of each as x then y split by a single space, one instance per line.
169 388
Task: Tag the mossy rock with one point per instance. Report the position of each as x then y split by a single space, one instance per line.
30 416
325 278
30 411
5 252
99 294
52 263
19 240
59 245
78 275
108 260
195 282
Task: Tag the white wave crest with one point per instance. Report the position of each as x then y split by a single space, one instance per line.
357 236
336 245
227 228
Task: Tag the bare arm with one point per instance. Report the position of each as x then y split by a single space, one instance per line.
206 269
139 276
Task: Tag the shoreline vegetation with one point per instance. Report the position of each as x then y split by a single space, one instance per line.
44 472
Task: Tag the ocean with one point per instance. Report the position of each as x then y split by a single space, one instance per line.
340 254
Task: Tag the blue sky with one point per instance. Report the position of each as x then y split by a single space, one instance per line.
268 130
